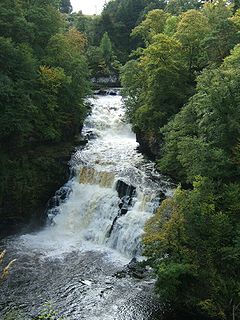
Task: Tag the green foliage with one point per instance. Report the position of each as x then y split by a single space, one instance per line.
118 19
207 146
87 25
106 48
153 24
191 30
43 83
162 87
132 79
188 242
223 35
65 6
217 11
170 27
176 7
45 21
183 89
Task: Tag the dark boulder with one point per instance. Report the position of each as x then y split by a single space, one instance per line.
124 189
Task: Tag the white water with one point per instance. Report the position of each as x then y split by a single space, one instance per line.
86 217
73 263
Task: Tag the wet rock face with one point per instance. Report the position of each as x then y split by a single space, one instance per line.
124 189
125 193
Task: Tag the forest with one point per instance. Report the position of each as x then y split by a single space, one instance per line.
178 63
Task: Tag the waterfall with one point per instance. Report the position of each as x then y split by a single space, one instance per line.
112 193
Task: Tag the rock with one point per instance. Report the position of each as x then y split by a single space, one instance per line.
90 135
162 196
101 92
123 189
112 93
125 193
149 144
132 264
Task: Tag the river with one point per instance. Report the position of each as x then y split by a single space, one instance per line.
79 262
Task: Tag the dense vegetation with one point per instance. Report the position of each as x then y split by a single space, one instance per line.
181 85
47 56
182 89
43 81
116 22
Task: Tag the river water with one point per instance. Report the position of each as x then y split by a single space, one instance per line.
78 263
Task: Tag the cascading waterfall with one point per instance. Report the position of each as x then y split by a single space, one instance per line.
114 191
94 228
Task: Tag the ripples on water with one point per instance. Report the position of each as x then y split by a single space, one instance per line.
92 233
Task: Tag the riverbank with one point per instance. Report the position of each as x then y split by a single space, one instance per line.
30 178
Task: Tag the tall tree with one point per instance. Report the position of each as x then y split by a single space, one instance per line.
106 48
191 30
153 23
65 6
176 7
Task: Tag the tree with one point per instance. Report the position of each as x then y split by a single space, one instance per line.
132 78
187 241
214 116
153 24
67 52
176 7
46 21
17 109
118 19
43 84
106 48
191 30
165 83
65 6
223 35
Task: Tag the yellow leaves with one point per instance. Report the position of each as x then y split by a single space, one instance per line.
166 227
210 307
52 78
65 48
2 255
154 226
236 19
5 271
76 40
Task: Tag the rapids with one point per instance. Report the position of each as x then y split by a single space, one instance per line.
94 229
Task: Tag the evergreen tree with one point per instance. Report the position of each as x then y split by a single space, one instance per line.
106 48
65 6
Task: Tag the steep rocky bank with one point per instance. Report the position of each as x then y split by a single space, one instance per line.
149 143
31 176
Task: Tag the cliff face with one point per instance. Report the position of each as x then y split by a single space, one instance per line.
149 143
29 179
